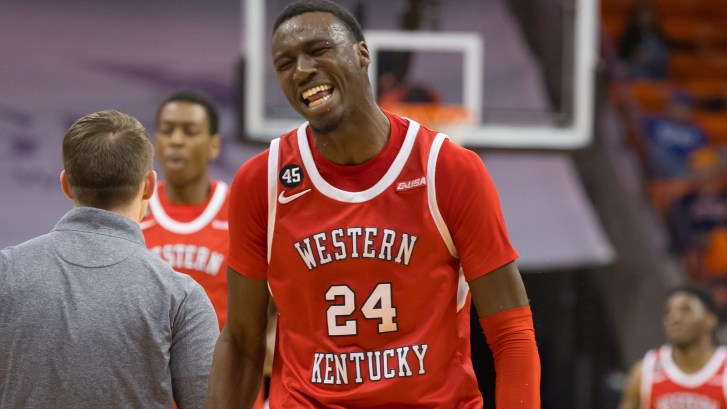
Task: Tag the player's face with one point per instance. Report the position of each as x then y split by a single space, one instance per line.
184 145
686 320
320 68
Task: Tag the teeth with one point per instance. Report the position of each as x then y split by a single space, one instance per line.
307 93
319 101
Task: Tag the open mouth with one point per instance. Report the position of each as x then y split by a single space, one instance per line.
317 95
174 162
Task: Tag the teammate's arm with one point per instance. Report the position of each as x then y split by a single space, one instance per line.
237 364
631 398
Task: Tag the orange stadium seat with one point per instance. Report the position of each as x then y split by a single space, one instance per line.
613 26
696 31
682 8
664 191
706 10
617 8
715 255
704 88
684 66
713 10
650 96
714 124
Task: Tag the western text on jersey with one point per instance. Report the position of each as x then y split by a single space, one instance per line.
356 242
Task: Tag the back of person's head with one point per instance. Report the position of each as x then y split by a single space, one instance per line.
194 98
106 156
309 6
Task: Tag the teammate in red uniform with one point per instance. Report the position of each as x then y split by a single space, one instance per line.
689 371
187 220
358 223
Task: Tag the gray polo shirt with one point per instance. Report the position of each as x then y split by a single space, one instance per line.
89 318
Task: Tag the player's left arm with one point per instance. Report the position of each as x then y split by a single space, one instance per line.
502 304
470 207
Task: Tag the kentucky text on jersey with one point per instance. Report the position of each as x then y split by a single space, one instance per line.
335 368
356 242
190 257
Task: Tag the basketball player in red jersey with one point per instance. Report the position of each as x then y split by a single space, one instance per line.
187 220
366 228
689 371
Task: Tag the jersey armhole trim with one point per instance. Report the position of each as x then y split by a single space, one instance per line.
647 378
432 194
462 287
272 191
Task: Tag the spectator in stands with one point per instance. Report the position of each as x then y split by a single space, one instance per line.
695 216
670 138
644 47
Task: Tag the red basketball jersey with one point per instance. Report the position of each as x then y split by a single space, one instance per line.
374 311
194 244
665 386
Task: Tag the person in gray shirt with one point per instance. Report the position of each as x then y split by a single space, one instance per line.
89 318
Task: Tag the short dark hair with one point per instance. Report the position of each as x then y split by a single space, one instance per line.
194 98
106 156
309 6
698 292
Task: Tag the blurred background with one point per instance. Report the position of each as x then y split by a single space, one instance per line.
602 123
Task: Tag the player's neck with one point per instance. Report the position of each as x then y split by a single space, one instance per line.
357 140
189 193
692 358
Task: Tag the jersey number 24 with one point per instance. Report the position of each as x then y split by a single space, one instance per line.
378 306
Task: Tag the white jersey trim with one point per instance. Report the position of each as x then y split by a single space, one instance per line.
696 379
432 194
356 197
647 378
147 224
462 290
272 191
209 213
462 287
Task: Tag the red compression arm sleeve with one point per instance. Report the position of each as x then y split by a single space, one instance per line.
511 337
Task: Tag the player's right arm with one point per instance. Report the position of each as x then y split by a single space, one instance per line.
237 363
631 398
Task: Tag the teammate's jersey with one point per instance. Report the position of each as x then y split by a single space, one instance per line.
665 386
194 240
374 311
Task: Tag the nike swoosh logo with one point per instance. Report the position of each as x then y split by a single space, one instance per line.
287 199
